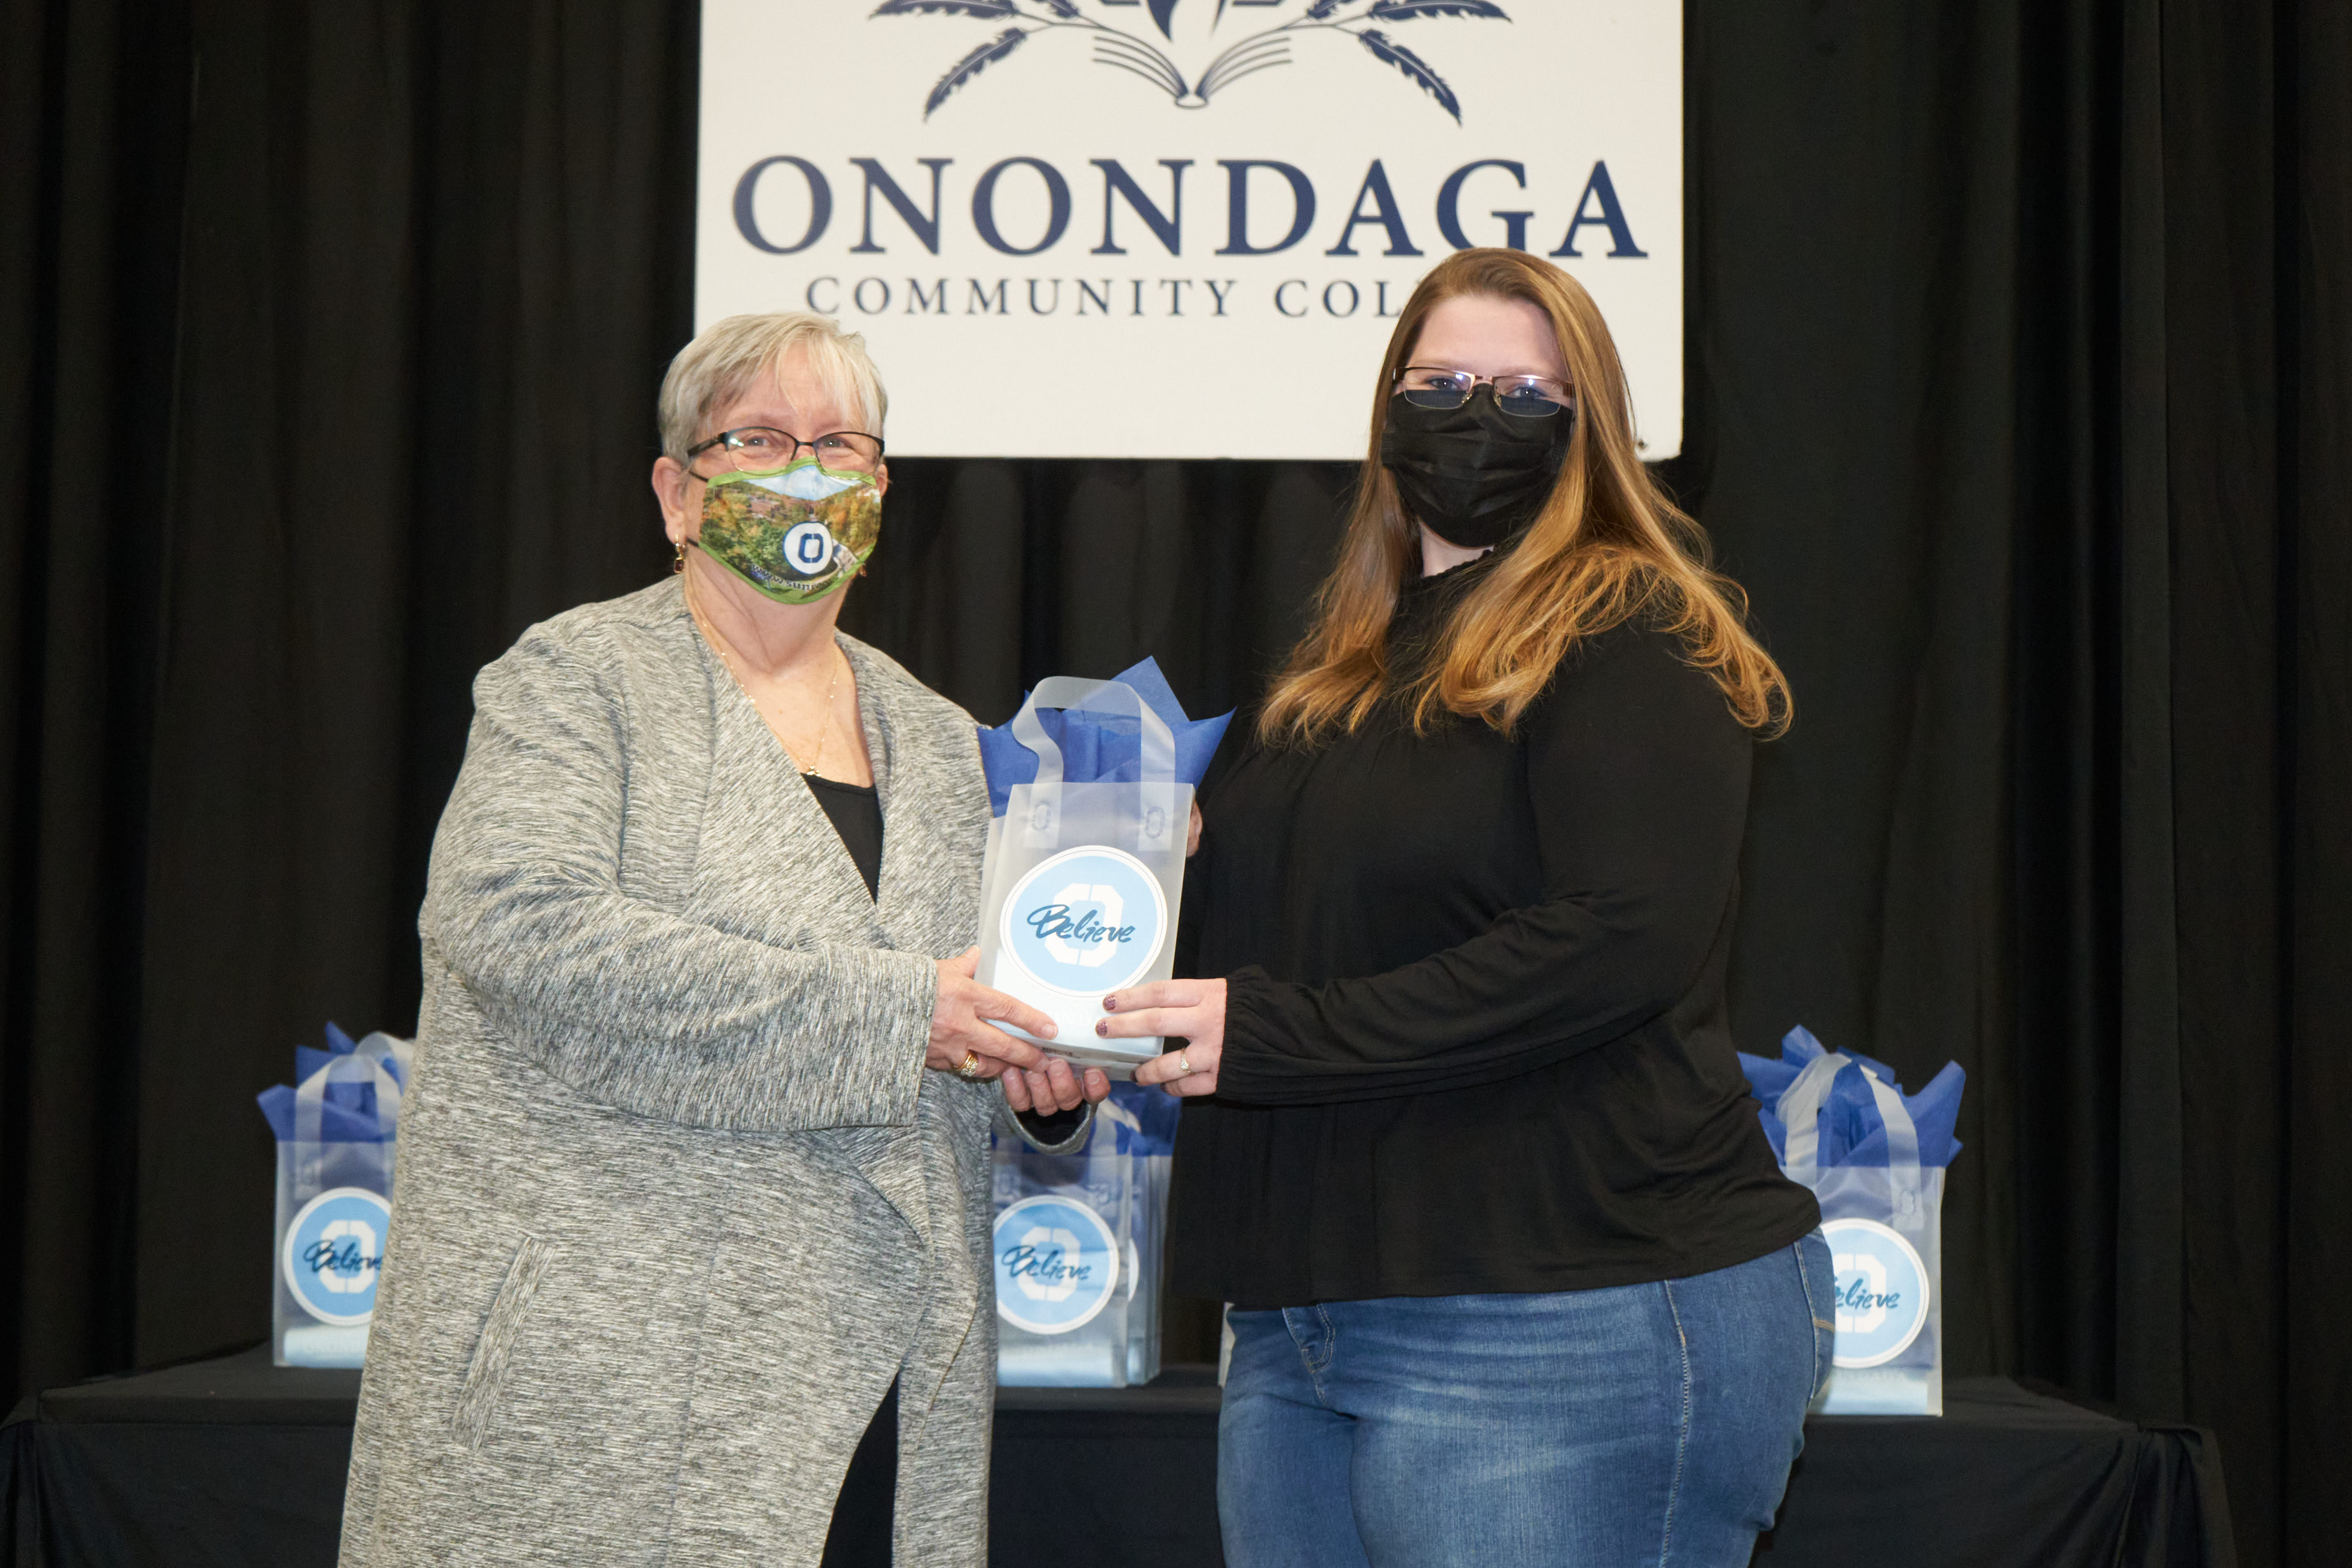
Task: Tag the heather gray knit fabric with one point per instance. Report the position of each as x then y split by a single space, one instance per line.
675 1198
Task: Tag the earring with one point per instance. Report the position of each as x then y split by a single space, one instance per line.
678 561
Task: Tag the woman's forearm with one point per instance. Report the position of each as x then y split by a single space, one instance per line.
629 1004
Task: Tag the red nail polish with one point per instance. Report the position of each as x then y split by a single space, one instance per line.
1110 1003
1103 1029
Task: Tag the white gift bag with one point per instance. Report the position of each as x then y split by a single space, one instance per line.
334 1210
1077 1247
1884 1228
1082 882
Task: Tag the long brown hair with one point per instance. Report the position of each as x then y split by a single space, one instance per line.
1607 546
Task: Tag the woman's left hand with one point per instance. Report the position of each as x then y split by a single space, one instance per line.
1192 1012
1053 1087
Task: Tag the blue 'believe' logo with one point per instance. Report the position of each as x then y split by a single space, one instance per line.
1049 1266
332 1255
1057 1264
1086 928
1262 50
1879 1294
1087 921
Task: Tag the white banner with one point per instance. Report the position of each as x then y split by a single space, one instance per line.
1180 228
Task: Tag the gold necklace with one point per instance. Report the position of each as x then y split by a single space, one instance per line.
824 729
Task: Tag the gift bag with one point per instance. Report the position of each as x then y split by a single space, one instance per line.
1092 785
1875 1160
1078 1240
336 1134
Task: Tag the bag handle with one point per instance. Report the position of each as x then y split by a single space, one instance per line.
1801 1108
1042 826
369 1061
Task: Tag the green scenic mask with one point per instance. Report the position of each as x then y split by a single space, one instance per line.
796 534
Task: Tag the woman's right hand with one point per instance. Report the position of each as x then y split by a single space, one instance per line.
960 1024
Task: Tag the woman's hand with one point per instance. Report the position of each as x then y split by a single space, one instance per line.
1057 1086
959 1025
1033 1080
1192 833
1192 1012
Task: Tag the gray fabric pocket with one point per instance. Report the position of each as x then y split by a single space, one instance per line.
477 1400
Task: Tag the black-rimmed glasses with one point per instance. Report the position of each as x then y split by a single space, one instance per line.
1526 396
762 448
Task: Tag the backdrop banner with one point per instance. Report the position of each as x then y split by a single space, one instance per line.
1180 228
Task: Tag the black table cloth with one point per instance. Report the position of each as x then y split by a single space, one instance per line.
235 1461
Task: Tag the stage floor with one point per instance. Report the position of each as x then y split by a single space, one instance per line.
233 1461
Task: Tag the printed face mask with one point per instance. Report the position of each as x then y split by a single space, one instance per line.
796 534
1475 474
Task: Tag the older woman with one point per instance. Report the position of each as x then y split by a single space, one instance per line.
693 1189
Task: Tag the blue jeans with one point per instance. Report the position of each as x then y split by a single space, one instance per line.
1648 1425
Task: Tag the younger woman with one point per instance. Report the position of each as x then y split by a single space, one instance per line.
1515 1279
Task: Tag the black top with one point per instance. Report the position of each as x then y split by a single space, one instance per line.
857 813
860 1531
1475 1033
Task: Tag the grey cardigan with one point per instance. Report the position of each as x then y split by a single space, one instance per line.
675 1197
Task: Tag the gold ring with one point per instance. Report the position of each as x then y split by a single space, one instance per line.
969 1067
1184 1063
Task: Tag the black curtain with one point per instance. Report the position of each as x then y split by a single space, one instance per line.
2020 371
2020 360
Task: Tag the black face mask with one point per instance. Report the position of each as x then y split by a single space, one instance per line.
1475 474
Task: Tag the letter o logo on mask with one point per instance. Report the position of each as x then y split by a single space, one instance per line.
808 549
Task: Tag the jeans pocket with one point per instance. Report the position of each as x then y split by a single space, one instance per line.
1819 1276
477 1398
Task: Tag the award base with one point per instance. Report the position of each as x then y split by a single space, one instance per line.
1075 1041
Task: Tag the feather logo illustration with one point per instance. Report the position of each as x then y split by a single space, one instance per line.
1133 50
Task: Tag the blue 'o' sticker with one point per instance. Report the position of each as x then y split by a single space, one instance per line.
1882 1291
333 1256
1056 1265
1086 921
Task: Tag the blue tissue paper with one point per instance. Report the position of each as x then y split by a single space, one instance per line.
1156 1114
1102 748
1852 1133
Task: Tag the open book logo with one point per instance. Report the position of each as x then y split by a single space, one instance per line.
1206 49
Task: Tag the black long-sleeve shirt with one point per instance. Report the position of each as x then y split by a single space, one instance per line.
1474 1031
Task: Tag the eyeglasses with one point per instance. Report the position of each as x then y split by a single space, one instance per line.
761 449
1526 396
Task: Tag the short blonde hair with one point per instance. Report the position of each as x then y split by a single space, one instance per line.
730 355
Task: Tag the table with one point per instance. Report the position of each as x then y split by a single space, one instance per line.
232 1460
